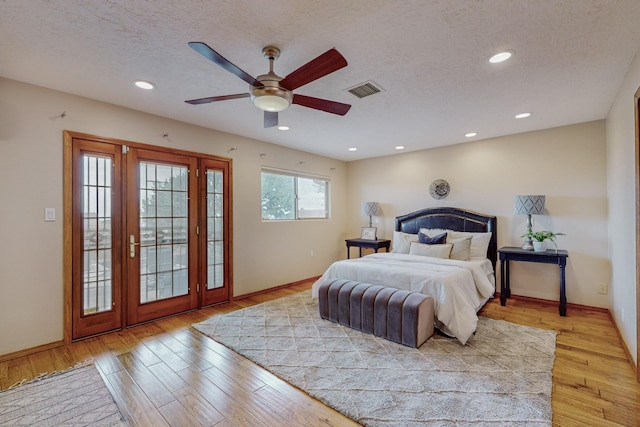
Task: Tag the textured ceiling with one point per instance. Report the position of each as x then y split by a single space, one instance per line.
430 57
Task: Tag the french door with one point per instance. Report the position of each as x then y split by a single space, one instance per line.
150 233
96 262
161 234
215 245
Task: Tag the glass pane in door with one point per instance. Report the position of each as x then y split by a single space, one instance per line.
97 286
164 250
215 235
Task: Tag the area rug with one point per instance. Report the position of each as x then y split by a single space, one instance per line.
76 397
501 377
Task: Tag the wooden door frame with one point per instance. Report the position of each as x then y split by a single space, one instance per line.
637 204
68 137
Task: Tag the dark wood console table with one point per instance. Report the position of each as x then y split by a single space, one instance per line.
364 243
551 256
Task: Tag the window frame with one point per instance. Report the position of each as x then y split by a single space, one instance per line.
296 197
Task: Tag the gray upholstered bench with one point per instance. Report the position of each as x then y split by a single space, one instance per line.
401 316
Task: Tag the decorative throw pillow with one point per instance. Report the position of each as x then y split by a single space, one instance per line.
479 242
401 242
432 231
435 240
435 251
461 249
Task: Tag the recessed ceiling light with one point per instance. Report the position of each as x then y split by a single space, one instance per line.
523 115
471 134
142 84
353 149
399 147
500 57
283 128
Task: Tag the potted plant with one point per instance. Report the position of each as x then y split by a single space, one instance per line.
540 238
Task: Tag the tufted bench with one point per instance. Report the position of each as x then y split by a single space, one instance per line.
401 316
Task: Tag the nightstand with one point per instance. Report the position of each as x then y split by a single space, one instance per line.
364 243
550 256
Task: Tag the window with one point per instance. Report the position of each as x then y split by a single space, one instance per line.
289 195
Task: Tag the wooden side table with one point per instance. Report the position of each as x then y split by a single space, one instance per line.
551 256
364 243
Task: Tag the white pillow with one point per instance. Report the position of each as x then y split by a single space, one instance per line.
461 249
479 242
402 242
435 251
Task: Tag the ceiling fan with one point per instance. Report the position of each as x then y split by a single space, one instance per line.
272 93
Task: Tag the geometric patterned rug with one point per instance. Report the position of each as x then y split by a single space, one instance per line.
502 376
76 397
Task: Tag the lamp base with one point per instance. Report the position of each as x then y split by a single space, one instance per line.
528 245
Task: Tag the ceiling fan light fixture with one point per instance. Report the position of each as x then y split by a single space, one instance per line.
271 97
271 103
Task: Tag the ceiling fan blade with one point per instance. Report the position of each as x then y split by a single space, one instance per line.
216 98
324 64
270 119
213 56
332 107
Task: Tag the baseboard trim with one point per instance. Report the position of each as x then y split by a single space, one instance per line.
548 301
30 351
266 291
56 344
625 348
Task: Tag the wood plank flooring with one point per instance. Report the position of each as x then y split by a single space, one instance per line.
165 373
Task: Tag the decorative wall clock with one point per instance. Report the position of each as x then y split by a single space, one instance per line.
439 189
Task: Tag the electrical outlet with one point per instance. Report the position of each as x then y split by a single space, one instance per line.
604 289
311 253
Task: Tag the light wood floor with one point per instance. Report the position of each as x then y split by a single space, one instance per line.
165 373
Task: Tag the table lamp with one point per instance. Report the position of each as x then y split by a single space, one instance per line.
528 205
370 209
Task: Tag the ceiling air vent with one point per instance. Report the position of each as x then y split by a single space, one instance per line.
364 89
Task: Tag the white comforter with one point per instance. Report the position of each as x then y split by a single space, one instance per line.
458 288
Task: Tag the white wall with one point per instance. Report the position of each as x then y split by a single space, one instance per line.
570 165
566 164
621 177
31 171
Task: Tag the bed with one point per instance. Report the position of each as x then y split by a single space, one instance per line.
459 286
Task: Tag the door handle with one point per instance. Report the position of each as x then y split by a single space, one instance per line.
132 246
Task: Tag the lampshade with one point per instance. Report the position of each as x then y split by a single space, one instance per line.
370 208
271 103
529 205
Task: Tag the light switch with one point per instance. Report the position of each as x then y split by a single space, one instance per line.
49 214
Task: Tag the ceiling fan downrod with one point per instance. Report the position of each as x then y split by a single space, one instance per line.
271 53
271 97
